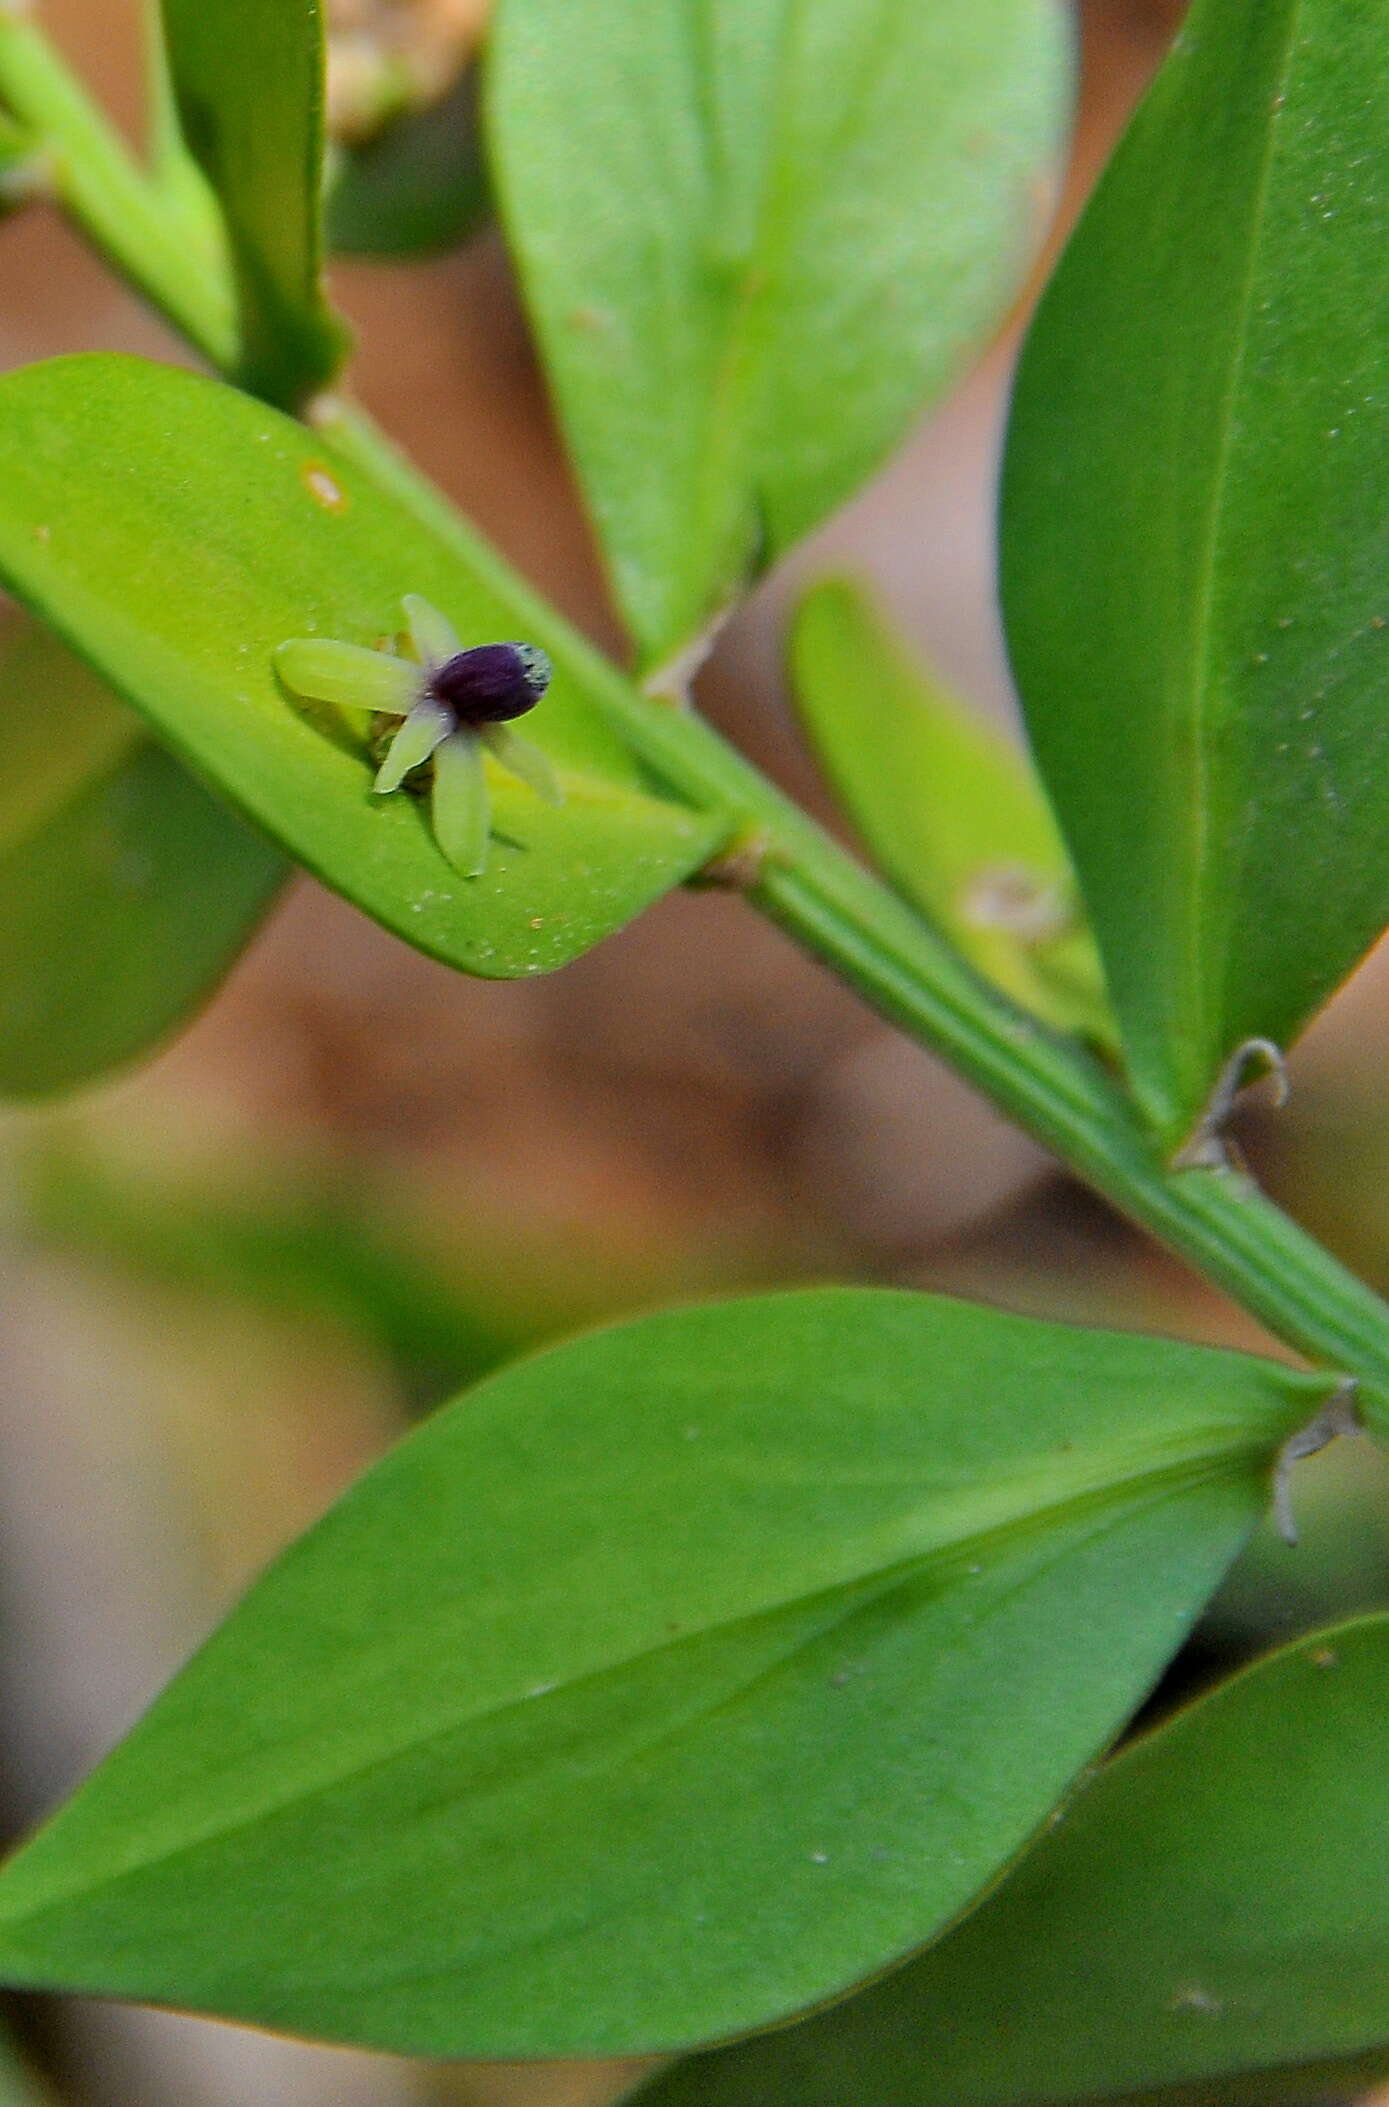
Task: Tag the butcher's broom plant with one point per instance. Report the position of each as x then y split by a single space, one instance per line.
676 1682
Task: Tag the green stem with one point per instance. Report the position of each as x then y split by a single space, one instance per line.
100 184
808 885
799 877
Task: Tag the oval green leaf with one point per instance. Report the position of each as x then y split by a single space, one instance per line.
126 891
1195 555
177 533
756 237
948 807
667 1683
1207 1927
248 82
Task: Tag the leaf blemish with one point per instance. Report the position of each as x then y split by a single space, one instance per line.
1192 1998
321 487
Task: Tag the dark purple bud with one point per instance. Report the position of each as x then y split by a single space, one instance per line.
492 682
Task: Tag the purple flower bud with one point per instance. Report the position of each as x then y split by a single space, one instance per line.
491 683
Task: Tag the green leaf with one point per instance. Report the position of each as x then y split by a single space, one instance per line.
1196 564
248 79
757 236
1206 1926
668 1682
948 807
308 1250
23 167
183 190
418 188
125 890
178 533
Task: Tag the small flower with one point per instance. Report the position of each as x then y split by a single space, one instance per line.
454 702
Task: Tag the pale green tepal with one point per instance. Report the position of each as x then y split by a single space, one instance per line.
453 701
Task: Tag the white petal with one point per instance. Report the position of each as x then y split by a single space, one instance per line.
523 759
460 808
356 679
426 726
434 637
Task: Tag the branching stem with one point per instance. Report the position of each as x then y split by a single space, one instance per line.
1214 1216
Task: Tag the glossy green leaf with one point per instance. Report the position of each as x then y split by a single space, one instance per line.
666 1683
248 80
126 891
418 188
178 533
1208 1925
948 807
1195 548
757 236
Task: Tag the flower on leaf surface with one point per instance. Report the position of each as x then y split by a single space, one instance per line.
454 701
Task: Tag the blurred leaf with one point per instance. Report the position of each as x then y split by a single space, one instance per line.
178 533
184 191
756 238
61 726
166 149
126 891
629 1701
1207 1925
23 169
418 188
947 806
18 2085
448 1289
311 1250
1195 550
248 79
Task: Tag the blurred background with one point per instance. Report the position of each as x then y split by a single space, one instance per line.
227 1281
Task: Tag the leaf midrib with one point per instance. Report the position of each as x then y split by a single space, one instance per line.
1166 1480
1200 920
858 1597
728 493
